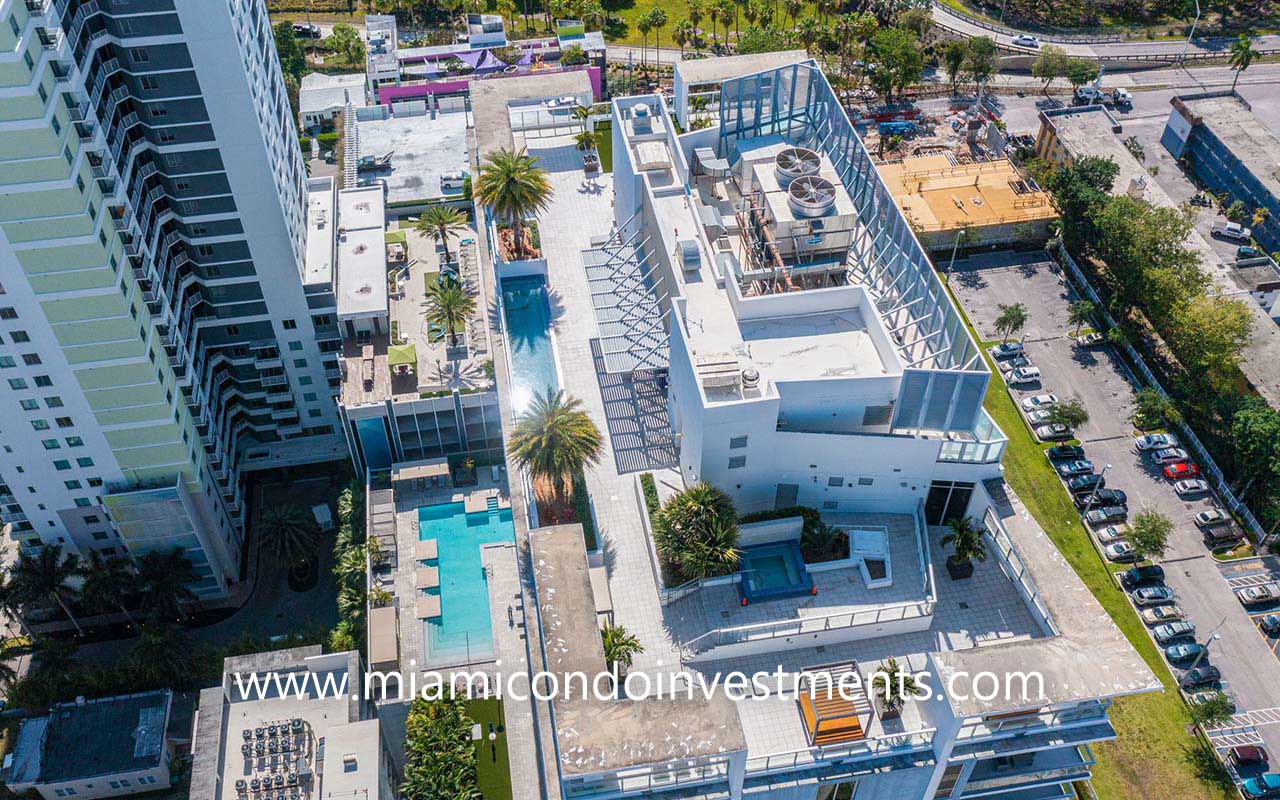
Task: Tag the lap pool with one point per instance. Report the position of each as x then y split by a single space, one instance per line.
528 326
462 632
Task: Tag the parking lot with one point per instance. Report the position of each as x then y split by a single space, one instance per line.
1103 384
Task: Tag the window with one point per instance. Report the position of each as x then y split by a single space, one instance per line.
166 135
51 444
40 424
837 791
289 324
75 441
61 465
835 482
232 330
310 397
31 359
865 481
138 55
314 412
53 401
300 363
149 83
737 443
19 337
737 462
295 346
30 405
71 484
95 482
17 384
83 502
85 462
99 535
7 362
304 380
64 422
159 111
43 381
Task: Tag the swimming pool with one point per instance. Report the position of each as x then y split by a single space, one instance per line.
528 322
771 571
462 632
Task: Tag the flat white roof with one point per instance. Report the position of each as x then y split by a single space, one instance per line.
318 263
712 70
320 92
362 253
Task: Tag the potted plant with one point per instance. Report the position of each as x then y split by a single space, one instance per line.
892 686
966 547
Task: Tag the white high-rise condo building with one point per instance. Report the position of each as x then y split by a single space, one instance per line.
159 336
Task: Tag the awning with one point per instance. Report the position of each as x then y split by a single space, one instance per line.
402 354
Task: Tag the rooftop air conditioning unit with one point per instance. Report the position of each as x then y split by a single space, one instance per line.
795 162
811 196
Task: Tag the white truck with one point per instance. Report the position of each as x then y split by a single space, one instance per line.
1090 95
1231 230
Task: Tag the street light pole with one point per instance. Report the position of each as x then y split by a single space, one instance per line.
1183 55
1002 6
1094 494
1213 637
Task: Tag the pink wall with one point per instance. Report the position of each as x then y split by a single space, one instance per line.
390 94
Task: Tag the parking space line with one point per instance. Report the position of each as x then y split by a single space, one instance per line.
1250 580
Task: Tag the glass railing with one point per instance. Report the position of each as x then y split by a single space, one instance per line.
882 746
984 445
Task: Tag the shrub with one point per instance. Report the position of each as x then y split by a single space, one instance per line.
572 56
582 509
696 533
328 141
440 760
304 144
650 489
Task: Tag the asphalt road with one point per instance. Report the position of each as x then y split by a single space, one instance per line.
1104 386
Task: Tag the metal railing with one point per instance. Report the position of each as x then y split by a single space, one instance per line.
1185 434
892 745
1013 564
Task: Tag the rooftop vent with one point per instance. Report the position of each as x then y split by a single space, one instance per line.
750 378
795 162
811 196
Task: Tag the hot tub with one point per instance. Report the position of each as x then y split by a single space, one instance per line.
773 571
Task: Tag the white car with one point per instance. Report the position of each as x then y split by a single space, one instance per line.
1038 401
1191 486
1256 595
1169 455
1212 518
1023 375
1162 614
1232 230
1026 41
1121 552
1039 416
1006 349
1112 534
1157 441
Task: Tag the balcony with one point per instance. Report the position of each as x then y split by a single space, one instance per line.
38 8
984 445
118 94
1029 771
1006 733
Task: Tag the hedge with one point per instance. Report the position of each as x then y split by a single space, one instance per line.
812 517
650 489
327 140
304 144
582 508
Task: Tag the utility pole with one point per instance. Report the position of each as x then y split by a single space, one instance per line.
1182 57
1094 494
1213 637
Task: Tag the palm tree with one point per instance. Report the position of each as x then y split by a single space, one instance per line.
620 648
162 655
512 186
695 18
585 140
713 14
728 13
439 222
1081 312
7 673
697 533
350 567
555 440
507 8
682 34
46 575
107 583
892 686
351 601
164 579
644 25
1242 56
809 32
1011 319
449 305
657 21
351 504
793 9
967 546
288 533
13 601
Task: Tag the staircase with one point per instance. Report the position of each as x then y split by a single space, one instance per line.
491 503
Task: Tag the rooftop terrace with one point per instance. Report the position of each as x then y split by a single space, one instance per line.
941 195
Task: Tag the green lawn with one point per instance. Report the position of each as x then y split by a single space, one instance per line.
1154 755
491 757
604 145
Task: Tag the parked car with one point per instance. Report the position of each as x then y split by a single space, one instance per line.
1222 536
1085 484
1054 432
1246 754
1162 614
1039 417
1170 632
1017 362
1257 595
1245 251
1168 455
1039 401
1090 339
1203 675
1120 552
1148 575
453 181
1026 40
1156 441
304 29
1103 498
1081 466
1061 451
1180 470
1153 595
1267 785
1101 516
1212 518
1024 375
1231 230
1006 350
1269 624
1191 486
1112 533
1201 199
1187 651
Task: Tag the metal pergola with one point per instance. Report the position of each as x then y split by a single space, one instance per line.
624 296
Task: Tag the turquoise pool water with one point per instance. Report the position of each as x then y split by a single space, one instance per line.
462 632
527 316
774 567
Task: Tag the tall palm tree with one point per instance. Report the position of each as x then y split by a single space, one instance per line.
161 655
512 186
713 15
351 600
108 582
644 25
728 14
440 222
555 440
165 579
657 21
448 305
695 18
288 533
809 32
1242 56
350 567
13 602
682 35
47 576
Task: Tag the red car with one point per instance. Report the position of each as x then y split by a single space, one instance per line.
1180 470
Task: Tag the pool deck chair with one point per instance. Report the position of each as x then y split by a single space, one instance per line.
428 606
426 578
830 718
426 550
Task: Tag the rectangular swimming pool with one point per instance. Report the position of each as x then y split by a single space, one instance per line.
528 327
462 632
